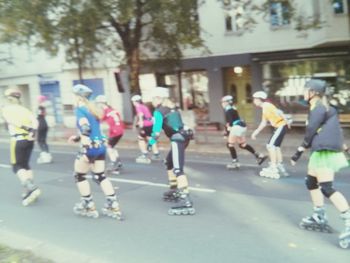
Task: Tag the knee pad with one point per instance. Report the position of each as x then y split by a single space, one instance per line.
99 177
177 172
311 182
327 189
79 177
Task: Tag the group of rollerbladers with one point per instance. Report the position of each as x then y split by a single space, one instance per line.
323 137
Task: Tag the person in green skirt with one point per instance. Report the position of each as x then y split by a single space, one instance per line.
324 137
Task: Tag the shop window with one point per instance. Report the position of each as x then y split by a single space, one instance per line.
285 83
339 6
280 13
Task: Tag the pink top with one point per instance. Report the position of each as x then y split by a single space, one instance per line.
114 121
143 110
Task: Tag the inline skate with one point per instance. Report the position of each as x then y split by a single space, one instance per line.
30 196
260 158
316 222
112 209
183 207
234 165
282 170
270 172
172 195
44 157
143 159
86 207
344 237
114 168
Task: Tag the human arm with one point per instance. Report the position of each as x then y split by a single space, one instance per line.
300 150
157 127
261 126
317 117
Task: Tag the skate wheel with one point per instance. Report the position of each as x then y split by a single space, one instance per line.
328 229
185 212
94 215
192 211
171 212
344 243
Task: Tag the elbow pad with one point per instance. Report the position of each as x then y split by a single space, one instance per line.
85 130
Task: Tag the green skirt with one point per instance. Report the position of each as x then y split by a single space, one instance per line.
327 159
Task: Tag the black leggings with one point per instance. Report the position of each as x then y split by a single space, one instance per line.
20 154
176 157
42 135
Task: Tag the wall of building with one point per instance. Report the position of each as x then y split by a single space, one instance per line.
263 37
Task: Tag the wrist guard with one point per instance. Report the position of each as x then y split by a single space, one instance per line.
297 154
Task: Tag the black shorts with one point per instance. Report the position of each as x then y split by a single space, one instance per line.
114 140
277 137
146 131
21 151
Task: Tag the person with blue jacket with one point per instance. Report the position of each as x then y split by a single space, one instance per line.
324 138
168 118
91 157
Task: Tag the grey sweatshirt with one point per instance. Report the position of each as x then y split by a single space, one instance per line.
323 131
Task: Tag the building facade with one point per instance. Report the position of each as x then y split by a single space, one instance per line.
245 56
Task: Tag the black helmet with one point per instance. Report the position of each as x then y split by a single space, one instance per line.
316 85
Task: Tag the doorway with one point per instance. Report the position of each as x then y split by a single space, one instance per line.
237 82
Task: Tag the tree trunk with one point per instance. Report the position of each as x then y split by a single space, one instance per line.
133 58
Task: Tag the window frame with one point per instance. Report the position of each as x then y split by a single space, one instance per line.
281 18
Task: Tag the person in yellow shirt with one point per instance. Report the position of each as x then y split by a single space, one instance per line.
271 114
22 124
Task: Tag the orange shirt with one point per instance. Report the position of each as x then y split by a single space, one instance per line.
273 115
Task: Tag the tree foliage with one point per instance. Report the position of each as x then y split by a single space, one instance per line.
143 29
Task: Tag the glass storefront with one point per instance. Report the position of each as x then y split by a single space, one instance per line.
284 81
194 91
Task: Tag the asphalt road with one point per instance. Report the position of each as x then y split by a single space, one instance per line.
240 217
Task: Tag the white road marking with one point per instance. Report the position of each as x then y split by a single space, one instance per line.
5 165
139 182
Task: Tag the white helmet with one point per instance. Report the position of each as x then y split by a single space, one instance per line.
136 98
13 92
101 99
161 92
82 90
227 98
260 95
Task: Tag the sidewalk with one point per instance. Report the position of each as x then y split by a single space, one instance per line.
206 140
